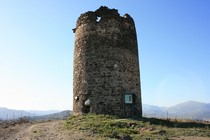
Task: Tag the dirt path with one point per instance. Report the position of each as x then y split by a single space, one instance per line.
53 130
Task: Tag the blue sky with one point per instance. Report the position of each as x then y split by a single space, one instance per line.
37 43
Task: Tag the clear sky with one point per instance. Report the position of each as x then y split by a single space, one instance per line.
37 43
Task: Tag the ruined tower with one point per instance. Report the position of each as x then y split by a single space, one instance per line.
106 65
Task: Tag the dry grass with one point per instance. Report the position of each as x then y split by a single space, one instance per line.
111 127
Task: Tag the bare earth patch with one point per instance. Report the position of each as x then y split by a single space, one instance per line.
52 130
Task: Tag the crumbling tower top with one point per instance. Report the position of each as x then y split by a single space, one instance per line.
103 14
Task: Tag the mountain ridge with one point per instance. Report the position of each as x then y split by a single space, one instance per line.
12 114
187 110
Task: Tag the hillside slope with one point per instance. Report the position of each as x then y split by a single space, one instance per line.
103 127
55 116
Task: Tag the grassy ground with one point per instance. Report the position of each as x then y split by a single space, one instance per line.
111 127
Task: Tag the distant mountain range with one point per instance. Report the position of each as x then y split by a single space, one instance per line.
11 114
187 110
8 114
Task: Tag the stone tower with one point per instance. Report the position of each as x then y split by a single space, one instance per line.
106 65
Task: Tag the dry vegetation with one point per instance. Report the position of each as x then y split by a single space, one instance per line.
104 127
111 127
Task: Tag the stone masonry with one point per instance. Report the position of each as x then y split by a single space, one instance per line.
106 65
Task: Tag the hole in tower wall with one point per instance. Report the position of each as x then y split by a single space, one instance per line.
87 109
87 106
98 19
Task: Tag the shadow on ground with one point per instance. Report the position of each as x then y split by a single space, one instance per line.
176 123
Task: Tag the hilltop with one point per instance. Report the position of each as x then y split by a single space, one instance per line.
103 127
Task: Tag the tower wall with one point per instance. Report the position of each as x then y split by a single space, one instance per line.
106 64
